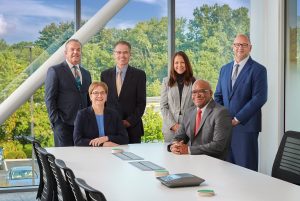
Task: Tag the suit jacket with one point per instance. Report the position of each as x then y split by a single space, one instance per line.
170 106
131 102
214 135
63 99
86 127
248 95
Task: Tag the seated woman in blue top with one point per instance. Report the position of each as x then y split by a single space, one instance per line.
98 125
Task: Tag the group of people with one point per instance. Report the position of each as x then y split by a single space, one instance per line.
85 113
108 113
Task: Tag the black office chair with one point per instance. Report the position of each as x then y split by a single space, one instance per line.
91 193
70 178
64 192
49 191
287 161
35 145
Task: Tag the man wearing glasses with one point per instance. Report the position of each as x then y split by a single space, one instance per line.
206 128
127 91
242 88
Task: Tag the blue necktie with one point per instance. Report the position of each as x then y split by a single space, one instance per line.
77 77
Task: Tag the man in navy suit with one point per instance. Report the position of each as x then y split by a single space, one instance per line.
242 88
126 91
66 92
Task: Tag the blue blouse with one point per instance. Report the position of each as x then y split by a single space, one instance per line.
100 123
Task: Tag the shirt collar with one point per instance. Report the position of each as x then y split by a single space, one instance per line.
243 62
71 65
124 69
203 109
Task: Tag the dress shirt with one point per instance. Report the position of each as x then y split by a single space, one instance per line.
73 71
203 110
124 70
241 65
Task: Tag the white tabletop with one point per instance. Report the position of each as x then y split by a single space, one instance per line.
119 180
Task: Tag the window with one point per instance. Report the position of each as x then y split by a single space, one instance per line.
205 31
292 65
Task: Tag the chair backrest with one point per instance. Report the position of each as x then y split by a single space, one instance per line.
35 145
70 180
49 191
287 161
64 193
91 193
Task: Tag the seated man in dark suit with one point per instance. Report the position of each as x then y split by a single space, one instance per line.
98 125
206 128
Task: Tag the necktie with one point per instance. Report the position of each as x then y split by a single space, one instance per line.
119 82
77 77
235 74
198 121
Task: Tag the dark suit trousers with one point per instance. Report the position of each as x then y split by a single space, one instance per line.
244 149
133 136
63 134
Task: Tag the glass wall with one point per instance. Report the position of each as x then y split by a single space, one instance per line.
25 32
292 65
205 31
51 24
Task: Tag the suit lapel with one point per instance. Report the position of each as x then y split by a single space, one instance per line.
69 74
175 94
229 71
184 95
243 74
193 124
84 78
92 119
207 112
107 117
126 82
112 79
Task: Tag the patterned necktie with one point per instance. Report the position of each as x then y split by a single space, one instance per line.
77 77
235 74
119 82
198 121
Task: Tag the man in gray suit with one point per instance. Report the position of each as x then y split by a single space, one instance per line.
66 92
206 128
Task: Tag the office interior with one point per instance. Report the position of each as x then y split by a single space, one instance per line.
271 25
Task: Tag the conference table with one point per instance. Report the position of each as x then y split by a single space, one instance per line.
120 180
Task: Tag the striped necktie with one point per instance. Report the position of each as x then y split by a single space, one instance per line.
77 77
235 74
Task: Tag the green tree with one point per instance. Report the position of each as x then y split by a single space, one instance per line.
55 34
206 38
153 89
152 126
210 37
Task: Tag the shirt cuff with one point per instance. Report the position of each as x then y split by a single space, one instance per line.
236 119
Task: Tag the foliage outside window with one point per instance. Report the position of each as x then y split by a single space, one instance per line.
207 39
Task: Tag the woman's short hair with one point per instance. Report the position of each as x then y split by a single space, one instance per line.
97 84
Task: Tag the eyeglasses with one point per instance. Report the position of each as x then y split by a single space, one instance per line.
97 93
200 91
121 52
243 45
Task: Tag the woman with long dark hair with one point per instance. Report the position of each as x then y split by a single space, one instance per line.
176 94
